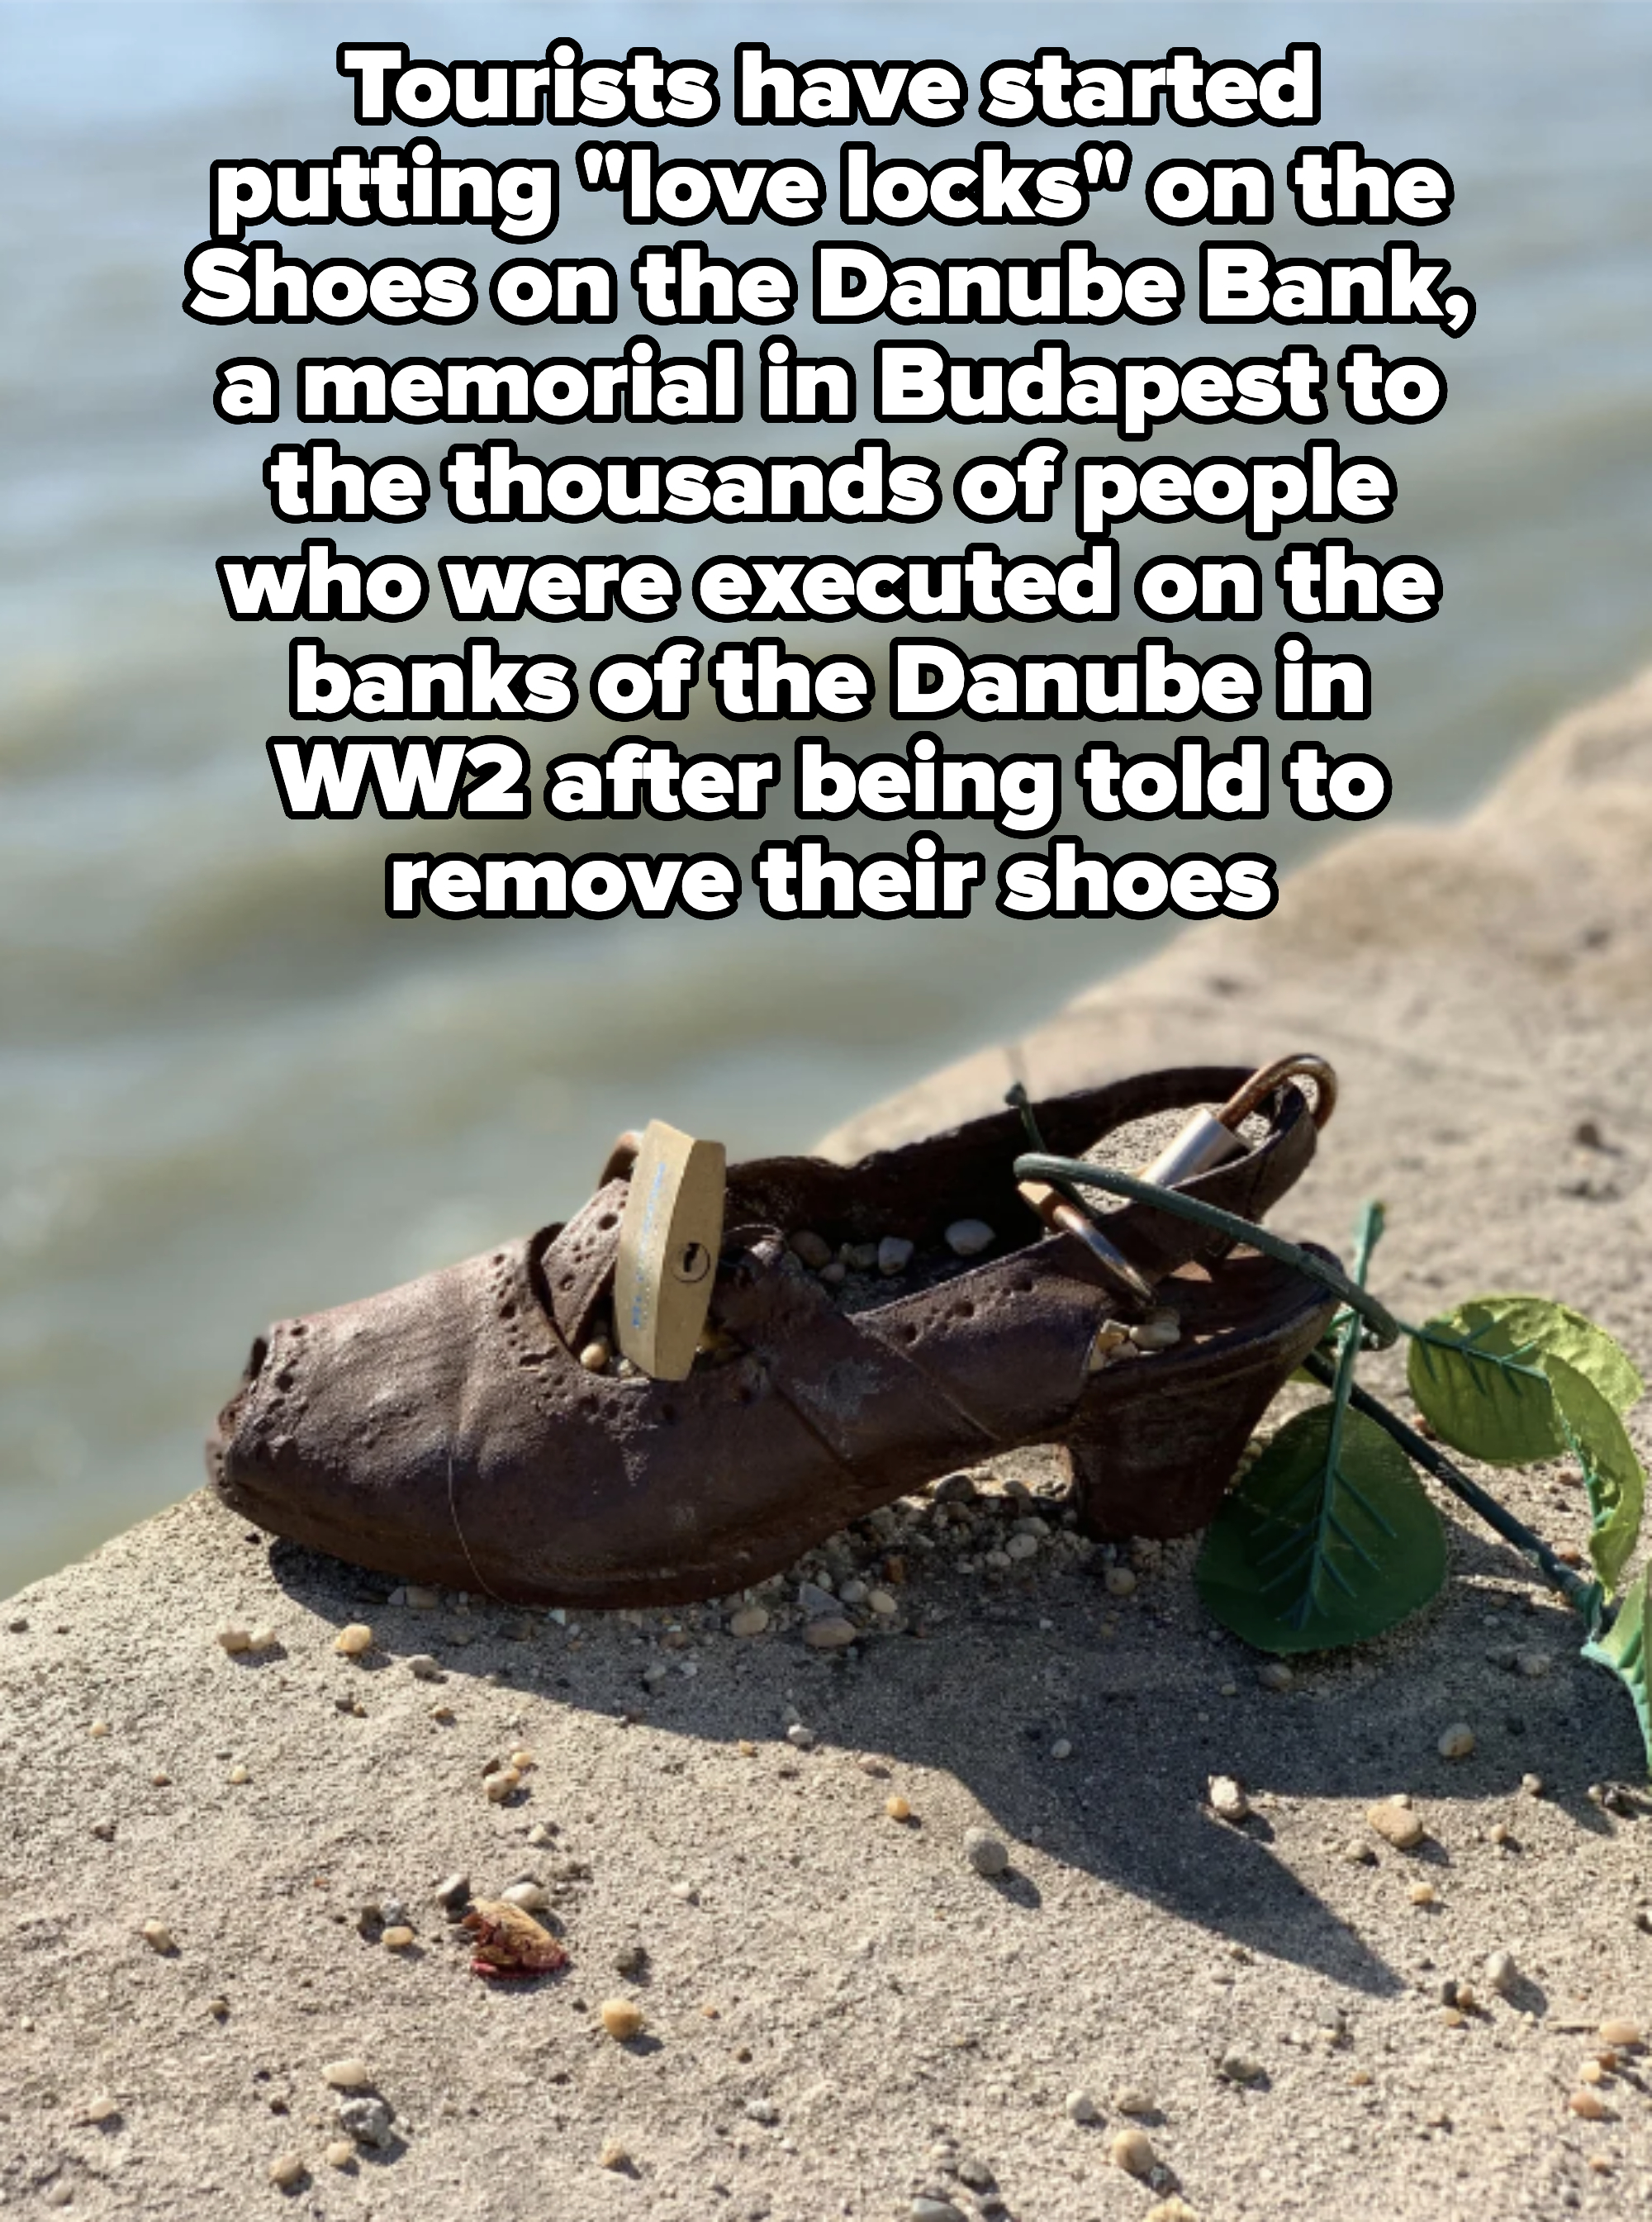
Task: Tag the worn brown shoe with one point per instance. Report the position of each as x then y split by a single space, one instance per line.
446 1432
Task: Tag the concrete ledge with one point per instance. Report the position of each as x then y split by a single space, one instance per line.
840 2012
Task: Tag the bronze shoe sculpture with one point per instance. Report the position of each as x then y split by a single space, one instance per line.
447 1432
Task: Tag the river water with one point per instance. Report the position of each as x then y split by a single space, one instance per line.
232 1088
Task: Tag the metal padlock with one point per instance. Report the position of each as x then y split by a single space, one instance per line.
1210 1137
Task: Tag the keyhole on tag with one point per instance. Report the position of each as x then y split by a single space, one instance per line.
694 1263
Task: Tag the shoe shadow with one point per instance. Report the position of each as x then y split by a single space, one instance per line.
981 1684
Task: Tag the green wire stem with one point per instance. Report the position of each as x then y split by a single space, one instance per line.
1064 1172
1583 1596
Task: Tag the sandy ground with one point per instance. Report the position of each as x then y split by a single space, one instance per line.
841 2016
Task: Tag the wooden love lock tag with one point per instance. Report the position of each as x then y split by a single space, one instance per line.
669 1238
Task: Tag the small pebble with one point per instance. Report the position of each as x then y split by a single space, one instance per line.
852 1593
926 2208
288 2172
898 1808
1239 2068
350 1642
1134 2100
1456 1741
1132 2150
800 1738
1061 1748
595 1354
1227 1799
239 1774
1621 2035
1120 1581
831 1634
105 2107
1274 1674
1021 1546
1501 1833
1397 1824
1592 2071
264 1638
232 1636
499 1786
1173 2209
397 1937
612 2155
522 1759
340 2153
968 1238
1161 1330
424 1668
880 1602
1359 1854
1533 1665
369 2121
453 1893
631 1958
763 2111
986 1853
158 1937
1588 2105
750 1620
531 1897
1532 1785
1501 1973
893 1255
347 2074
622 2019
1079 2107
1422 1893
422 1598
814 1249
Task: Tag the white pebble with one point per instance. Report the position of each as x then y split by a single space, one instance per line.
1161 1330
800 1738
1274 1674
105 2107
1227 1799
853 1591
287 2171
830 1635
1081 2108
880 1603
263 1639
1061 1748
233 1637
968 1238
158 1937
893 1255
1021 1546
531 1897
350 1642
1501 1972
1120 1582
750 1620
347 2074
1456 1741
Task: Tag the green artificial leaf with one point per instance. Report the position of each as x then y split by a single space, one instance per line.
1624 1650
1552 1330
1611 1472
1481 1389
1512 1379
1312 1551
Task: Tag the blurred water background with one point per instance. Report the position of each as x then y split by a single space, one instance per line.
231 1087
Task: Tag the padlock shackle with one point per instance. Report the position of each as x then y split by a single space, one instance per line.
1304 1065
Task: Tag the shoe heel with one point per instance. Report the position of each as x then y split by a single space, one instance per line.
1158 1462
